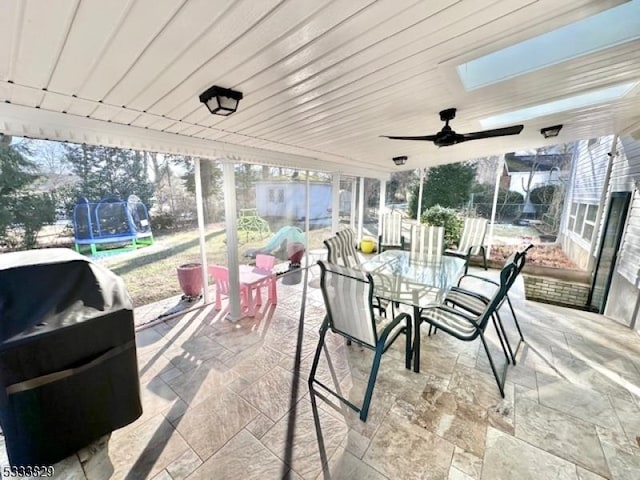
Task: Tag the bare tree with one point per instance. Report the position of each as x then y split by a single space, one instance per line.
52 162
486 169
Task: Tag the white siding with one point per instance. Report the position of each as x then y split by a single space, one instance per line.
591 170
626 178
588 176
286 199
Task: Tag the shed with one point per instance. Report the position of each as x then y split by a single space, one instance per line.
286 199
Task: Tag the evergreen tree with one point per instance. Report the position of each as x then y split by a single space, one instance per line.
107 171
211 178
23 211
446 185
246 175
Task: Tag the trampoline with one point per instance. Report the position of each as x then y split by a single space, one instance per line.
111 224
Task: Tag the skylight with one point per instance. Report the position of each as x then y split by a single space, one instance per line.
612 27
583 100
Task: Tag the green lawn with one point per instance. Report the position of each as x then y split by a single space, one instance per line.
150 272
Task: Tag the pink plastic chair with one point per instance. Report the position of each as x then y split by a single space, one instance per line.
221 276
267 262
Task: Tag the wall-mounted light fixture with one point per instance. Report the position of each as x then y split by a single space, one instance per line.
221 101
400 160
551 131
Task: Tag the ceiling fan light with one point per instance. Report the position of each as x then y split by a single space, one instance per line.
221 101
401 160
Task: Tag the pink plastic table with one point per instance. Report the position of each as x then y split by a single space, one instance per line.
255 278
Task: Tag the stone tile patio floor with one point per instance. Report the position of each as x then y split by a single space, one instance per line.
226 401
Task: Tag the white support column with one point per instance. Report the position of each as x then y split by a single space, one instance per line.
335 203
231 224
420 187
383 196
495 203
352 213
361 210
201 230
307 210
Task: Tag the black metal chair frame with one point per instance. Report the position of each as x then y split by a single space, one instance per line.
381 345
520 260
467 256
479 322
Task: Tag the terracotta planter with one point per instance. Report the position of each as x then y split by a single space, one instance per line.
190 279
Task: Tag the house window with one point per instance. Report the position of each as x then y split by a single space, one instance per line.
582 209
590 222
572 215
276 195
582 219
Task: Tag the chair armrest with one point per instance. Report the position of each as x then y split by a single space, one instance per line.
393 324
472 247
470 293
478 277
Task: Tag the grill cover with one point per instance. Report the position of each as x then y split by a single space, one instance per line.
68 369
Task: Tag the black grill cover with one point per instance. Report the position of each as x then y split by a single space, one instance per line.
68 369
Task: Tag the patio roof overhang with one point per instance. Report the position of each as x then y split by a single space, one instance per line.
23 121
321 80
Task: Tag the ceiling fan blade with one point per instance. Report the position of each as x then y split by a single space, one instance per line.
429 138
497 132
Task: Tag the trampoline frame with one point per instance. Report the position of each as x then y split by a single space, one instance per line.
133 237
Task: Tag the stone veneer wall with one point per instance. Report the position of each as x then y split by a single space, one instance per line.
559 292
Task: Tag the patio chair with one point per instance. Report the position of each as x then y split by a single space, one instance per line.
391 232
427 243
467 327
348 238
348 296
471 242
474 302
221 276
335 251
336 255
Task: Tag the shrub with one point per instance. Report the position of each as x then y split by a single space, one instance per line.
449 219
162 221
543 195
447 185
508 206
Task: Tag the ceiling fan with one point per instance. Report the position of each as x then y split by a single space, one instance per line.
447 136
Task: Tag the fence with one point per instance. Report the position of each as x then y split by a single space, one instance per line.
512 212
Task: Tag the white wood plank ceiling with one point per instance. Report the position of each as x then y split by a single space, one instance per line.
322 80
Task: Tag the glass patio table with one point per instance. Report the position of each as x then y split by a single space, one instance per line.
400 277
